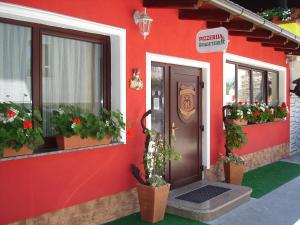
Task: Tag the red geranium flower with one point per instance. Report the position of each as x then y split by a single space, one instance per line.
27 124
130 133
77 120
283 104
283 108
241 103
267 110
257 113
11 113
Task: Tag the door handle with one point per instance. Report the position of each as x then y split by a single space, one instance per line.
174 128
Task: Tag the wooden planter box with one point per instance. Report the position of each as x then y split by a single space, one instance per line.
77 142
10 152
234 173
278 120
236 122
153 202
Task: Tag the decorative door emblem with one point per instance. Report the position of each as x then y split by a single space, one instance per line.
186 102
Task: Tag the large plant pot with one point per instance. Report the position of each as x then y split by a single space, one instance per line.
233 173
153 202
76 142
10 152
236 122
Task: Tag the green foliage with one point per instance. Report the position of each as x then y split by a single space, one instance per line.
19 127
155 161
69 121
234 137
281 111
281 13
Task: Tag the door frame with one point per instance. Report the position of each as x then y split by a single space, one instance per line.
205 66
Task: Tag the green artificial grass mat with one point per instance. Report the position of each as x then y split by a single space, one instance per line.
267 178
134 219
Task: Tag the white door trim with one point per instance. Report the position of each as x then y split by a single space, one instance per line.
205 66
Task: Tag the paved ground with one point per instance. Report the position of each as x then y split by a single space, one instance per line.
280 207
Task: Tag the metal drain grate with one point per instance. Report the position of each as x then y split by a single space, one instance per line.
203 194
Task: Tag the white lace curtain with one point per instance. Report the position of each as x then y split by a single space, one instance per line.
15 64
72 74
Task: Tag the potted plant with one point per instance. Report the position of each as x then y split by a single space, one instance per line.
280 112
279 14
234 164
237 114
152 189
75 129
20 130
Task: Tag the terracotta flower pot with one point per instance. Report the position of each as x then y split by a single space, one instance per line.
236 122
233 173
278 119
76 142
10 152
153 202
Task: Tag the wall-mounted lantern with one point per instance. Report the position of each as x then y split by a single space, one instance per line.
143 21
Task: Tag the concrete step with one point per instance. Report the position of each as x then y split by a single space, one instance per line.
210 209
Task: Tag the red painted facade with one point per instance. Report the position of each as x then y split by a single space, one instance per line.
30 187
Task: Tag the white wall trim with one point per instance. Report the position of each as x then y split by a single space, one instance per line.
117 35
252 62
205 66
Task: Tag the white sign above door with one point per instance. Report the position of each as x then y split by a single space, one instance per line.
212 40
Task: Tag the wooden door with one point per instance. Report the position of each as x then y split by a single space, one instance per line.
179 112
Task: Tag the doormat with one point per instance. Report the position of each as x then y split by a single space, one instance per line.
203 194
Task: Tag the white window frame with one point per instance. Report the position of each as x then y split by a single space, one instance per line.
282 71
117 38
205 66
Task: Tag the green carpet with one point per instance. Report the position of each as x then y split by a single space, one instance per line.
169 220
267 178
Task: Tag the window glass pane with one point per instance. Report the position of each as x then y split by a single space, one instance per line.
230 83
15 64
157 100
273 88
258 87
243 85
72 74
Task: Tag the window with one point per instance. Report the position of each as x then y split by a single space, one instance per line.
45 67
249 84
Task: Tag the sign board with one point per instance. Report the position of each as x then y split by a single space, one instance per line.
212 40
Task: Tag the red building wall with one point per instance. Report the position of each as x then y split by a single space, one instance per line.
36 185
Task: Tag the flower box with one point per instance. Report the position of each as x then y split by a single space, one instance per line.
76 141
10 152
236 122
279 119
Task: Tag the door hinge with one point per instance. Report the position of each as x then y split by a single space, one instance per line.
202 168
201 84
202 127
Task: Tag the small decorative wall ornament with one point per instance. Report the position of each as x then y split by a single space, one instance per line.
136 82
186 101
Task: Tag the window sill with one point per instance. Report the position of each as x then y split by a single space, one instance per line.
55 151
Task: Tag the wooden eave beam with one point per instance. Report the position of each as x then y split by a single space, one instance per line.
289 45
287 49
273 40
214 15
257 33
234 25
172 4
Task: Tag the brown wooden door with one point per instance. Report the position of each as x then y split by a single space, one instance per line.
185 120
176 105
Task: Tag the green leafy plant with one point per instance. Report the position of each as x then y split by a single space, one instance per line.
281 13
19 127
158 152
281 111
235 138
69 120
